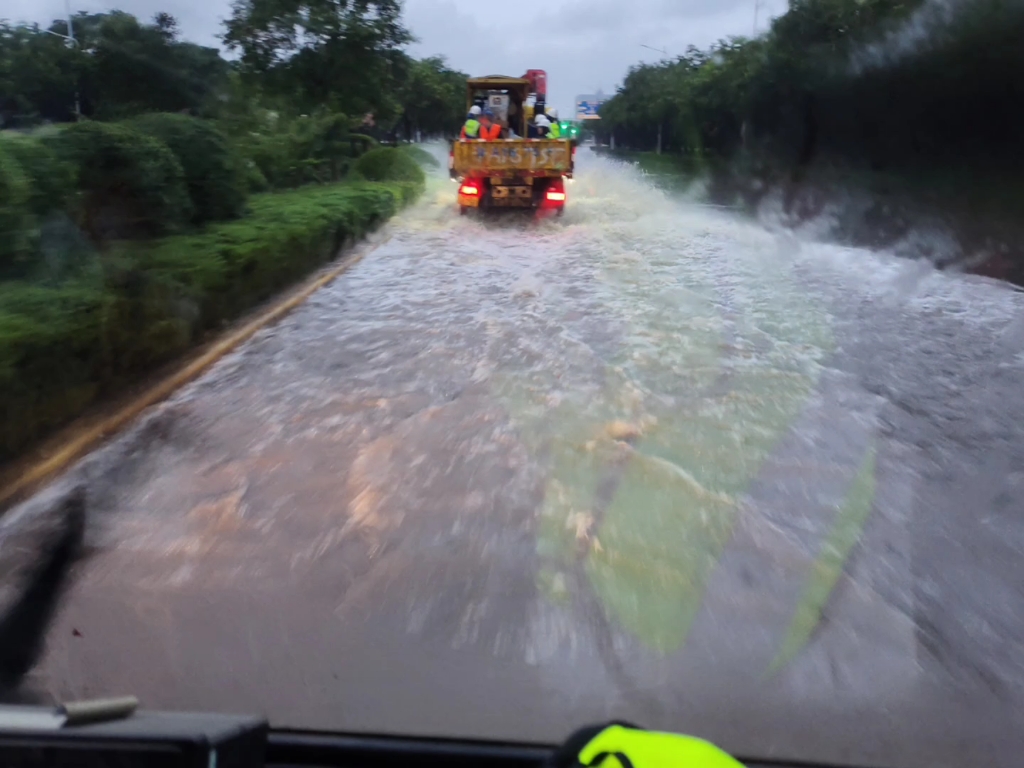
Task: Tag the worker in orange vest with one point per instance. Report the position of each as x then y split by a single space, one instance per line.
489 129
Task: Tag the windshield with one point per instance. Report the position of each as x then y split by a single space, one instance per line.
718 432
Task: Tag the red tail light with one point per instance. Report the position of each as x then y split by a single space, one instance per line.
554 195
556 192
470 188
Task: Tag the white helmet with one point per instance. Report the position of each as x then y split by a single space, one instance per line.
474 110
553 113
542 122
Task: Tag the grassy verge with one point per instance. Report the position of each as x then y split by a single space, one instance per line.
63 346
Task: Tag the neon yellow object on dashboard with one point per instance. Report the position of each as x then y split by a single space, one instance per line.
620 747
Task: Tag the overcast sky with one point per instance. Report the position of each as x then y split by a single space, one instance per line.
584 45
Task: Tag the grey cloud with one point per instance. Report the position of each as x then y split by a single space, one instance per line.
200 22
583 45
610 15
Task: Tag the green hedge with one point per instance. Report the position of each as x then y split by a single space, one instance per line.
389 164
61 348
231 266
15 219
255 181
51 180
132 184
420 155
214 177
292 151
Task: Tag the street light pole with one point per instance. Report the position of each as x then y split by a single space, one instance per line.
659 50
71 34
652 48
70 37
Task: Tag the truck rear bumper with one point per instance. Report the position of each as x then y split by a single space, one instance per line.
520 192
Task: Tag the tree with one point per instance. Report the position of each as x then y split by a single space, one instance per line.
432 97
119 66
38 75
342 54
842 76
135 67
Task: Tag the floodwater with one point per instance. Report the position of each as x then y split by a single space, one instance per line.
648 461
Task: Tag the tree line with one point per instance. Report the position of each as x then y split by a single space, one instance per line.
293 58
884 83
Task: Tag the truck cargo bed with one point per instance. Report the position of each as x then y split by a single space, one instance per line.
535 157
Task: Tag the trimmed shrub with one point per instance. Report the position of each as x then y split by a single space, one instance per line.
332 145
284 159
270 153
420 155
51 180
215 179
234 265
16 222
255 181
360 143
61 348
132 184
50 347
310 149
389 164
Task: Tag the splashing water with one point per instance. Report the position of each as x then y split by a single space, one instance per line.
647 460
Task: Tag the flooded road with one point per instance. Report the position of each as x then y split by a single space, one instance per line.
648 461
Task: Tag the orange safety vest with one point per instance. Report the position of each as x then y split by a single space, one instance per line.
490 132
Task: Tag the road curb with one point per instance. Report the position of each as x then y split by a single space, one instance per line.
38 472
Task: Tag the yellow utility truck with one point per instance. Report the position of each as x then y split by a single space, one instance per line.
513 170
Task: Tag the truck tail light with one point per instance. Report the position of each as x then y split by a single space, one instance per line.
556 192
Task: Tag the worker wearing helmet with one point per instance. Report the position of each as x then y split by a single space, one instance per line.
555 130
543 126
489 129
471 128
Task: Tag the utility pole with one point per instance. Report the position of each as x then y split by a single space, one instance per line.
757 11
652 48
74 43
660 120
70 37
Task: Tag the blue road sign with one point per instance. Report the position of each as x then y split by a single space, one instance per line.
588 107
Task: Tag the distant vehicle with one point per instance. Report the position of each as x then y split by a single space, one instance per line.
511 172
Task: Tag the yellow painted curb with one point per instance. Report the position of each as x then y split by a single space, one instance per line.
46 468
